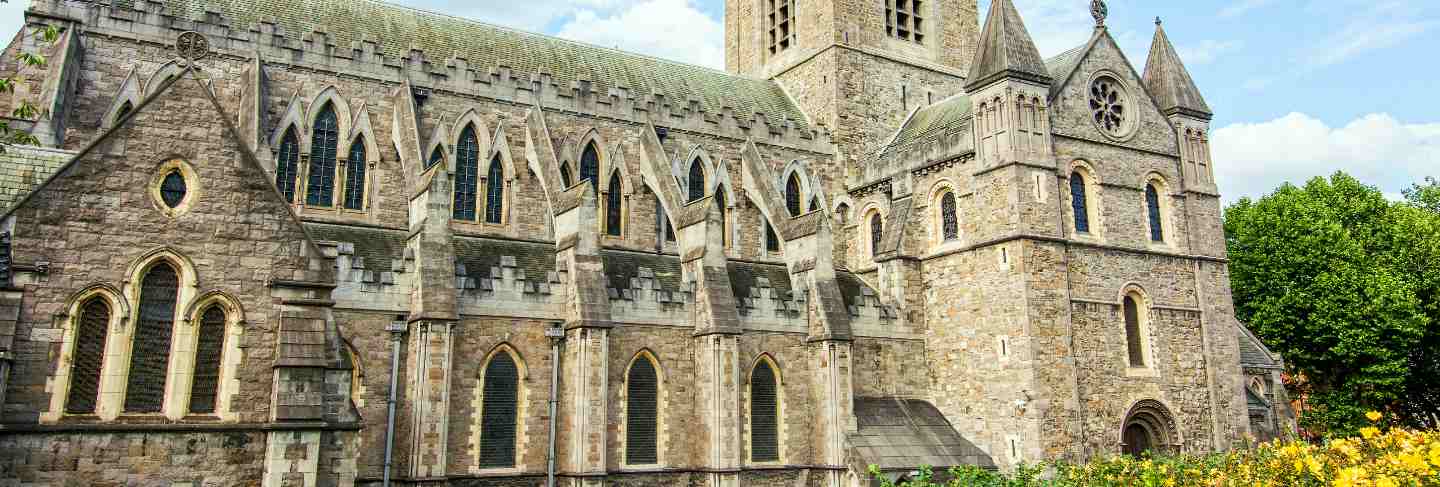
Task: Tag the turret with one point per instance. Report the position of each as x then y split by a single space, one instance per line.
1175 93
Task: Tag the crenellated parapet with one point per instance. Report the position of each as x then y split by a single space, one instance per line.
588 92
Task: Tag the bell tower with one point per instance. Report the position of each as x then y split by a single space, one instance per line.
857 68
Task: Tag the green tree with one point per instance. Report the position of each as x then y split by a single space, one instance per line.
1344 284
25 110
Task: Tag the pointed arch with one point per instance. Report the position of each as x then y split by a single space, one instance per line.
343 115
438 138
495 191
324 145
680 169
467 173
94 317
872 218
765 392
594 141
129 95
722 201
293 119
793 195
567 179
150 358
287 164
720 180
168 70
361 151
615 204
501 398
643 383
695 181
808 185
471 118
589 167
500 145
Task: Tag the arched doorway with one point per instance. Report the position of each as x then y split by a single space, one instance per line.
1148 427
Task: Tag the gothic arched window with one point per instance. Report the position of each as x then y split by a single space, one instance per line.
1079 203
696 180
590 167
467 174
150 352
792 195
1152 205
1133 332
324 138
206 386
949 222
772 241
287 165
764 414
724 220
613 214
495 191
565 179
641 408
355 175
877 229
498 410
88 356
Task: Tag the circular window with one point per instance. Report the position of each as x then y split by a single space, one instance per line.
1109 106
172 189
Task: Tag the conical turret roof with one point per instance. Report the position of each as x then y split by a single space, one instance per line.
1005 50
1169 82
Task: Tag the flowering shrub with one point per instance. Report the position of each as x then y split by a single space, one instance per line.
1392 457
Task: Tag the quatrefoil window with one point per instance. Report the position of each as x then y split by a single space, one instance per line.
1108 106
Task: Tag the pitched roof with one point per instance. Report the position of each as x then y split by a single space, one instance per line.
1168 80
930 123
902 434
396 30
1253 351
1062 64
1005 49
22 169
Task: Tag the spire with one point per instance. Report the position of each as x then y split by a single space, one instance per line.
1168 80
1005 50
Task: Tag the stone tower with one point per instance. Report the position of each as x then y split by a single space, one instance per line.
858 70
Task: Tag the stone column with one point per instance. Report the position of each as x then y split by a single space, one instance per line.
586 364
433 320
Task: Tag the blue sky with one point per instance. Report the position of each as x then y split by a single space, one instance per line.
1299 87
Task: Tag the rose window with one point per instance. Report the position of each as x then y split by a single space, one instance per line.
1107 105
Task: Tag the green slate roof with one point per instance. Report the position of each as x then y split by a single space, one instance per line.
22 169
396 30
930 123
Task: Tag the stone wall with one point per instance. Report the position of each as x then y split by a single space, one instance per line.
197 459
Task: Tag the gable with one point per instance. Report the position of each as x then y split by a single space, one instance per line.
97 211
1070 113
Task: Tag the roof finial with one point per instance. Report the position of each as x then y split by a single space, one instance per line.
1157 20
1099 11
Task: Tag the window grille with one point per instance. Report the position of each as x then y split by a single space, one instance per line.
150 352
89 354
467 174
1152 203
764 415
640 414
323 141
355 175
287 166
612 206
498 413
1132 333
949 221
211 345
904 20
781 24
1079 202
495 192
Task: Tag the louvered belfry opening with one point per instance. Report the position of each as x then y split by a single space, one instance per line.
641 396
355 175
88 356
1132 332
150 352
764 415
208 350
498 412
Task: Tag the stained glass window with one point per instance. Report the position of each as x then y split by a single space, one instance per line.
495 192
89 354
150 352
1152 203
172 189
287 165
696 181
1079 203
949 222
323 141
641 404
211 345
764 415
613 217
498 412
467 174
355 175
590 167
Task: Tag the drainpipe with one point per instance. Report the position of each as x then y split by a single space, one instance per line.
556 334
397 332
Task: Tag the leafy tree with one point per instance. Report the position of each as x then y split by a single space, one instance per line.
1346 285
25 110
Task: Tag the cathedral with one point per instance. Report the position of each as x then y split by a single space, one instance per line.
334 243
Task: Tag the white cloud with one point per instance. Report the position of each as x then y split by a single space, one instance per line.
1252 159
671 29
1358 38
1055 25
1242 6
1207 51
12 16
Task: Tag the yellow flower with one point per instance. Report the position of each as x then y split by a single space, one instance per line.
1314 466
1384 481
1369 432
1373 416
